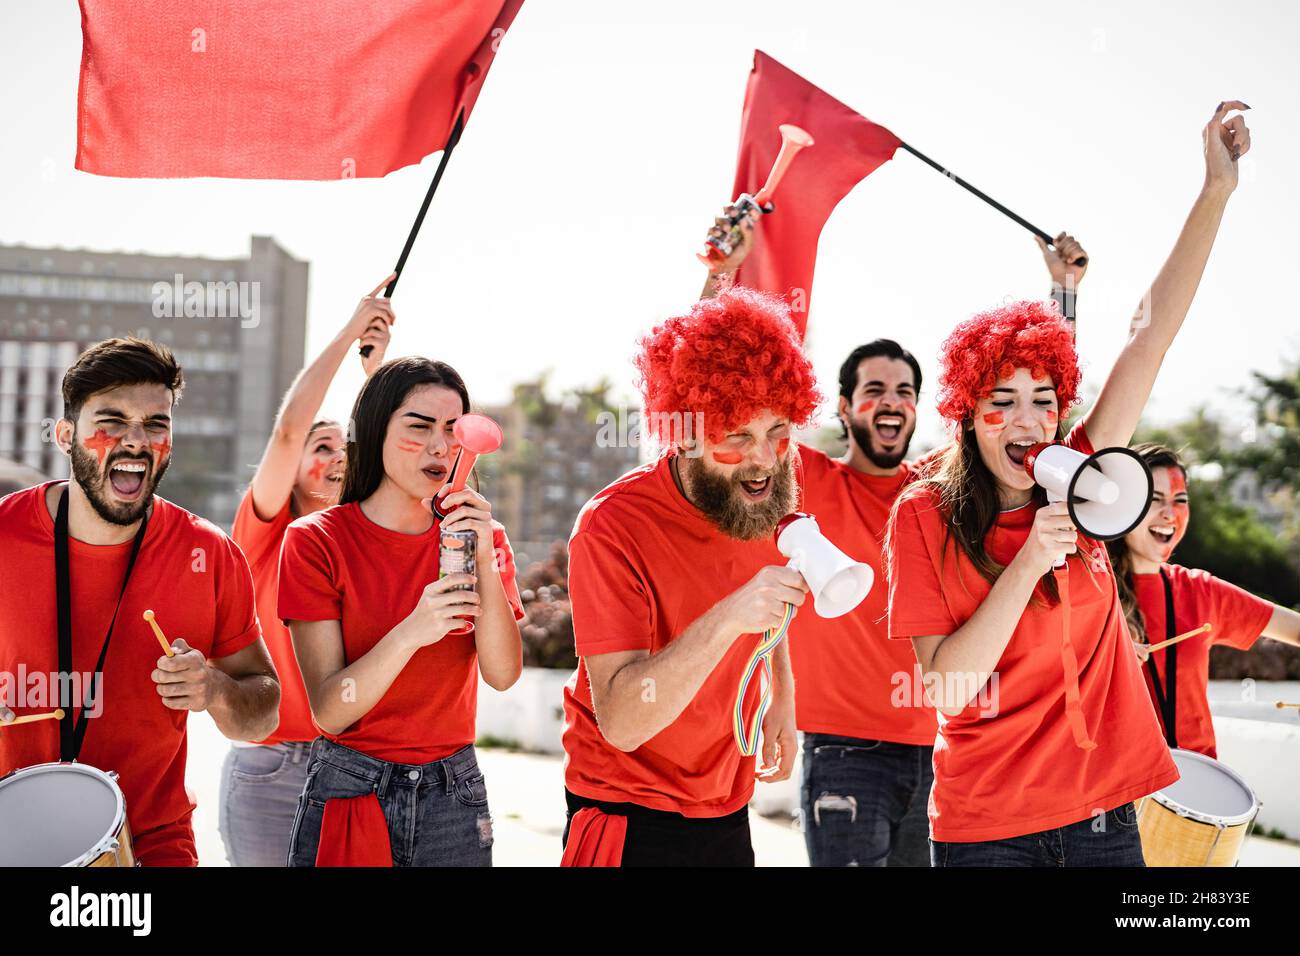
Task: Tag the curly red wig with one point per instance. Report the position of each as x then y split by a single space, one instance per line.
993 344
728 359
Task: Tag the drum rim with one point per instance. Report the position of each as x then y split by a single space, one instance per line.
1172 805
109 842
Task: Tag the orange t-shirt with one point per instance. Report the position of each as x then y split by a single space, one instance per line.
1008 764
1238 618
338 565
260 541
197 582
850 680
644 564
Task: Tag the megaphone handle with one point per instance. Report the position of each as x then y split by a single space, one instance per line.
1053 498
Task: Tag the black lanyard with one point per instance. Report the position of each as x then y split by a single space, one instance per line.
70 735
1167 698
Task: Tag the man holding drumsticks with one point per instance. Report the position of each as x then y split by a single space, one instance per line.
127 551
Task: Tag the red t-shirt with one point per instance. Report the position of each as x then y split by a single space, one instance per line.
260 541
197 582
1008 764
1238 618
644 564
338 565
850 680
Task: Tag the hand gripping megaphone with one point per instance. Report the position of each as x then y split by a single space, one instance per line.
1108 491
837 582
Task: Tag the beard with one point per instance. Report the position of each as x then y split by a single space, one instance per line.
93 480
862 435
725 505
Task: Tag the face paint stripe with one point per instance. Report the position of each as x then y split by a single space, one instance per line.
994 418
728 457
866 406
781 447
410 444
101 443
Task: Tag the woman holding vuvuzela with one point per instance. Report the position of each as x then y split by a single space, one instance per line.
1046 736
391 641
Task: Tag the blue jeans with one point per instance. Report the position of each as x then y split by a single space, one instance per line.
260 787
437 812
865 801
1109 839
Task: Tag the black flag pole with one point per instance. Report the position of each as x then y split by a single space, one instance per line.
1081 261
452 139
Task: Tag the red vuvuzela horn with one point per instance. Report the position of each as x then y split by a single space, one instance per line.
717 248
477 435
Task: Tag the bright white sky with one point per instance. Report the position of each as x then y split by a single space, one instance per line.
606 138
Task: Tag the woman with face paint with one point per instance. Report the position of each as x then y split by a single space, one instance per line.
378 631
1149 586
300 473
1046 737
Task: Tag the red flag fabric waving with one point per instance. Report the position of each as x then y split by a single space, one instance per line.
847 147
278 89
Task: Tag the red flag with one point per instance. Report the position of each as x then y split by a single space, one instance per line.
847 148
278 89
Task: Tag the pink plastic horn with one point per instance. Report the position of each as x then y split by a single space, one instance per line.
477 435
793 139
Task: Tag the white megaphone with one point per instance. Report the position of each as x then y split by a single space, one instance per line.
1108 491
837 582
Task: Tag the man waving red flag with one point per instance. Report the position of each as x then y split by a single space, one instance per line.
288 89
848 147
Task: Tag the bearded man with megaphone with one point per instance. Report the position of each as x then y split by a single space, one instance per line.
679 593
1047 775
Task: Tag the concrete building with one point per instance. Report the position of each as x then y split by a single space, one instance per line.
237 326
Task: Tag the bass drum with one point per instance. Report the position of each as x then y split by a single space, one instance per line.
63 814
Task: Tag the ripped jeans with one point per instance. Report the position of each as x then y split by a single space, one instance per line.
437 813
865 801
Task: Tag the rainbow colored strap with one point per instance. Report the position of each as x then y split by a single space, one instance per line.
747 738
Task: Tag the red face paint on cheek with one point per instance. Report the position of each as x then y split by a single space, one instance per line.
1182 510
866 406
410 444
161 449
728 457
101 443
316 470
994 418
1051 416
781 447
910 406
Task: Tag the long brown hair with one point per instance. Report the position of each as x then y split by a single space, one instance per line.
968 499
1154 456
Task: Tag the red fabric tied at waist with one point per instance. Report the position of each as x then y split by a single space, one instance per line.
595 839
353 832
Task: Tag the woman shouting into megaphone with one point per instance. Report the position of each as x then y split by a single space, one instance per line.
1046 736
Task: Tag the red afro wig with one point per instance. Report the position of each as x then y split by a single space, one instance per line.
728 359
992 345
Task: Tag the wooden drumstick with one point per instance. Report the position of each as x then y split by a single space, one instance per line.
1207 626
1283 705
157 631
32 718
